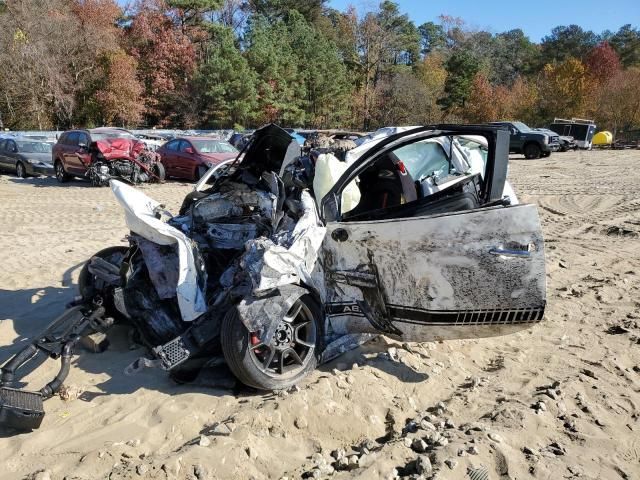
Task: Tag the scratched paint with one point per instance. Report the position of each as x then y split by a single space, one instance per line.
445 263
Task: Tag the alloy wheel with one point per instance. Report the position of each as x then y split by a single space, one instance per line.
291 346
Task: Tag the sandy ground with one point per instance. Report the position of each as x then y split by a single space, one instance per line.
559 401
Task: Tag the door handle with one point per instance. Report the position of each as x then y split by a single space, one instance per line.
510 253
340 235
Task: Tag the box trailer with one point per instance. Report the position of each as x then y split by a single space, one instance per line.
582 130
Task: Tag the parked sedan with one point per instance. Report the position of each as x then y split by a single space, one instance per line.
191 157
25 156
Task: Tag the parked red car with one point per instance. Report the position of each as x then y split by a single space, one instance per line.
104 153
191 157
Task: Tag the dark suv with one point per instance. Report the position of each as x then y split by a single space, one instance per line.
530 143
71 156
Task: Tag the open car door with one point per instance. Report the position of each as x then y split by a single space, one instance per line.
432 250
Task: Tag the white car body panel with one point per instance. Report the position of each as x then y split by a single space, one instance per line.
481 269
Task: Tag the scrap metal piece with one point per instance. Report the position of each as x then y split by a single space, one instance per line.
292 257
140 364
162 263
343 344
230 235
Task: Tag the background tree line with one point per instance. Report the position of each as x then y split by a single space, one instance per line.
226 63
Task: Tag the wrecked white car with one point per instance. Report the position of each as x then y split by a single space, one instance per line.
276 263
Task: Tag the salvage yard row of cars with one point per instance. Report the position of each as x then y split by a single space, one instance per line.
283 258
100 154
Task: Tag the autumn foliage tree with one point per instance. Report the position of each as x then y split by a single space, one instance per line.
165 59
619 100
119 94
216 63
564 89
602 63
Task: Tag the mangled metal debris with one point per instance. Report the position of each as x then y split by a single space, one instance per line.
284 258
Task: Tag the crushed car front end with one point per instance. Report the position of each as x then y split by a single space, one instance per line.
265 270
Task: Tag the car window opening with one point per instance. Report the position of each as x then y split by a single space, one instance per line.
428 176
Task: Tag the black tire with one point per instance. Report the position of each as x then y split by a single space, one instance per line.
159 172
88 284
200 171
273 366
546 154
21 172
61 175
532 151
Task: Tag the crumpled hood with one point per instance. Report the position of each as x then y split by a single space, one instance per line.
270 150
113 148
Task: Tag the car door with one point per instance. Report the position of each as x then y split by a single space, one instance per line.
72 162
5 160
167 155
185 160
464 273
11 155
82 151
517 139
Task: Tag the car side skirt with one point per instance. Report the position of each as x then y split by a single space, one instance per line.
443 324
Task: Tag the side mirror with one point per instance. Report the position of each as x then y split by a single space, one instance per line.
189 150
330 208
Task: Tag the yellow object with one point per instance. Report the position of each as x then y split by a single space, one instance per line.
603 138
19 37
328 170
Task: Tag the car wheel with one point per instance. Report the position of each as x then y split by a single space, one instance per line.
159 172
532 151
200 171
61 175
21 172
546 154
90 284
287 359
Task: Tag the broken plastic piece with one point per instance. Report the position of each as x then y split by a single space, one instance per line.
140 218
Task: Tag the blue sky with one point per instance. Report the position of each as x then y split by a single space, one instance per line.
535 18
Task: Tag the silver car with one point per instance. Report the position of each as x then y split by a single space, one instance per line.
25 156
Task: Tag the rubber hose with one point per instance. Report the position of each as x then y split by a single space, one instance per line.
8 371
65 365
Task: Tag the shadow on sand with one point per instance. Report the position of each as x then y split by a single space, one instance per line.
31 310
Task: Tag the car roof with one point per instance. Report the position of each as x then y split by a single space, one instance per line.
28 139
197 137
107 129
